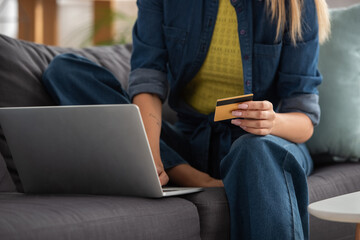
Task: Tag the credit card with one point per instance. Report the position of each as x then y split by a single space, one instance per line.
225 106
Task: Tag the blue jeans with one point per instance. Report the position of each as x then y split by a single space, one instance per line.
264 176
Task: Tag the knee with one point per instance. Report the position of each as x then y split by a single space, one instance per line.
251 152
63 72
57 68
254 145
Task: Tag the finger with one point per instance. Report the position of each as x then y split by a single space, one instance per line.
256 105
253 130
253 114
257 131
254 123
164 179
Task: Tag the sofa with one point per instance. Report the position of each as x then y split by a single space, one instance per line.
203 215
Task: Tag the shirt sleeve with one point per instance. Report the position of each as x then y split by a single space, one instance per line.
149 56
298 72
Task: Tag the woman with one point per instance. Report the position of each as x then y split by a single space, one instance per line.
206 50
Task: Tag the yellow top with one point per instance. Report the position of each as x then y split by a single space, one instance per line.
221 75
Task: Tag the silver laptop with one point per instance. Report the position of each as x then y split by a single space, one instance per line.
97 149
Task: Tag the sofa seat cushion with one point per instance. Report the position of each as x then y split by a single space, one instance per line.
330 181
96 217
214 213
333 180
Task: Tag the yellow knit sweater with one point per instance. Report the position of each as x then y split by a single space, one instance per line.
221 75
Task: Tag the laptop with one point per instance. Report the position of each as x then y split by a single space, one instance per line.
95 149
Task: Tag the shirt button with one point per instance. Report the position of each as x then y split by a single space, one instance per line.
233 1
239 9
242 32
210 22
203 47
246 57
247 83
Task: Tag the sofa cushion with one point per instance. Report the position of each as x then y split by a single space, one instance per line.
21 68
214 213
96 217
6 183
338 133
330 181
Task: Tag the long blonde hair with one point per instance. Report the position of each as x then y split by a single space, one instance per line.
278 13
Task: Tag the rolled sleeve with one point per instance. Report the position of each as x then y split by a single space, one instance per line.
291 84
304 103
149 56
298 75
144 80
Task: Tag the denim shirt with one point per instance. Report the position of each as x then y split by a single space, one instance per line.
171 39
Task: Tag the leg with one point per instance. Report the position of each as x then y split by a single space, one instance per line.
265 182
74 80
174 149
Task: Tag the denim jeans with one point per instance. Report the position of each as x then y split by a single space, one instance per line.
264 176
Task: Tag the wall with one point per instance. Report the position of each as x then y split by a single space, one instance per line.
8 17
74 20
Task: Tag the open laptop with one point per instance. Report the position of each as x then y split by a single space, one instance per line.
97 149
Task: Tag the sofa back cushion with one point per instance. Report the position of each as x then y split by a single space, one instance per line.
21 68
338 134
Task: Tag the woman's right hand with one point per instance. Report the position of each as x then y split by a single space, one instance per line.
163 177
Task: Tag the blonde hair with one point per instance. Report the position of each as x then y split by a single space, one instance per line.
278 13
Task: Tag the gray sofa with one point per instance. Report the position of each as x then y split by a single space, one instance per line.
203 215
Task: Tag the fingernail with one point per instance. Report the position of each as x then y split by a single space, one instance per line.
236 114
243 106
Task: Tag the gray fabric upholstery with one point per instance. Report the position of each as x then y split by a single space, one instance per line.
325 182
6 183
21 68
213 212
96 217
330 181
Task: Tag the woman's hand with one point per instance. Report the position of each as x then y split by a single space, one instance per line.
259 117
163 177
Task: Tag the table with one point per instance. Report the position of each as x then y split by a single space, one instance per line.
344 208
38 20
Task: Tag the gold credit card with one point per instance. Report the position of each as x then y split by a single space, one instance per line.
225 106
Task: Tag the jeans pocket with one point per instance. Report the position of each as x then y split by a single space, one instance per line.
175 41
265 65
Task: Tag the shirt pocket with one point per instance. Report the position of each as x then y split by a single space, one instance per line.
175 40
265 66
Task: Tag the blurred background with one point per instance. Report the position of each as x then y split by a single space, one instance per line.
76 23
70 23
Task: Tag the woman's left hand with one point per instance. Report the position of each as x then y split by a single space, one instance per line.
259 117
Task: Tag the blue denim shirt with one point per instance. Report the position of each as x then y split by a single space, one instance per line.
171 39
